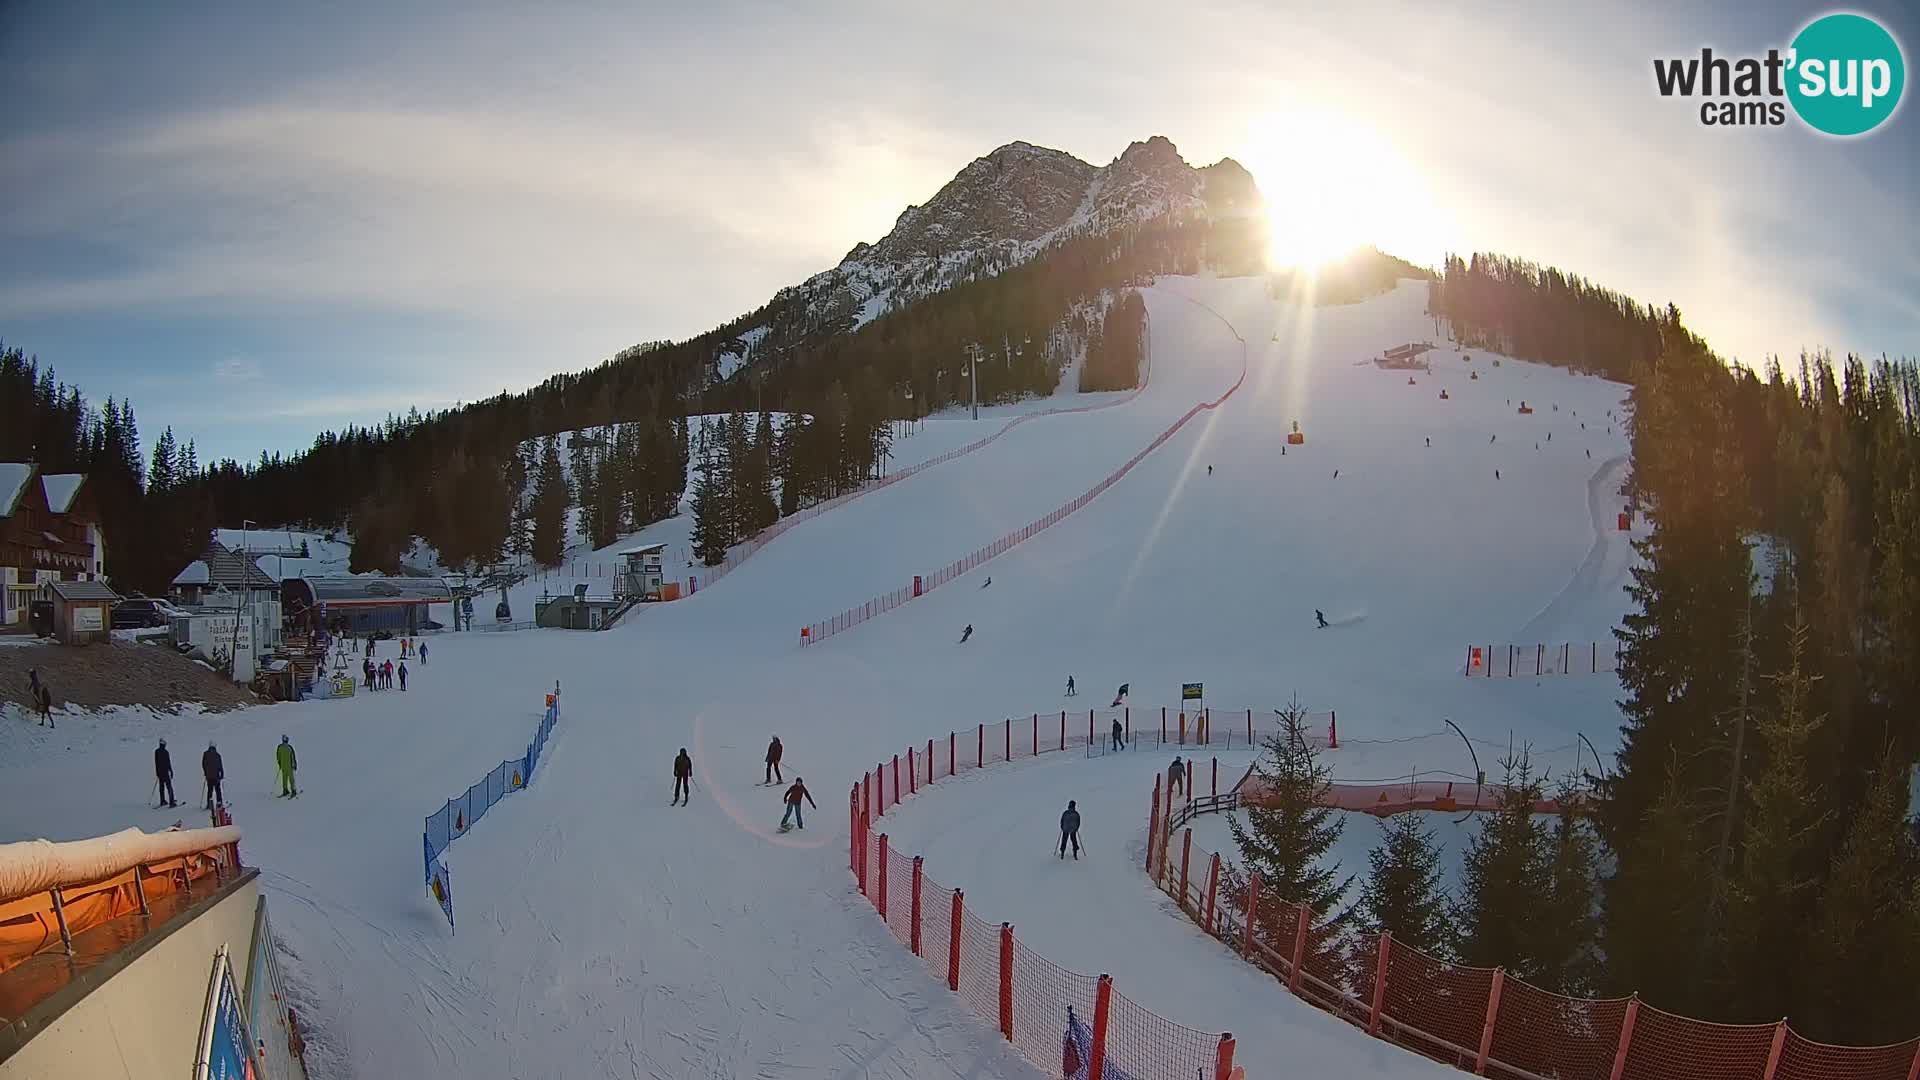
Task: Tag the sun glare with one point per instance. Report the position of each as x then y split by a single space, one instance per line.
1333 185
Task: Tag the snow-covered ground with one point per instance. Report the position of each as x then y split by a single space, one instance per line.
602 932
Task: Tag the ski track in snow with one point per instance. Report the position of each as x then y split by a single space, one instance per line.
603 933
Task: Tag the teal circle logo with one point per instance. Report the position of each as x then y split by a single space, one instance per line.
1846 74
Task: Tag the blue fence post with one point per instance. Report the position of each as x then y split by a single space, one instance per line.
426 846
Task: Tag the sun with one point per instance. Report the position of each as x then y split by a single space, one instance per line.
1332 185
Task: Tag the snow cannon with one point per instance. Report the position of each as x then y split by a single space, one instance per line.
1443 394
1294 438
1526 409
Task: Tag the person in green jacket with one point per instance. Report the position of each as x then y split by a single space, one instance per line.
283 757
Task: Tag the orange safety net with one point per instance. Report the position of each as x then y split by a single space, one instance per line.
29 924
1042 993
1143 1045
1804 1059
1665 1045
1444 1004
980 967
1546 1034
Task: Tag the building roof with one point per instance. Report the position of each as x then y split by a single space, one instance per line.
224 568
13 480
282 567
82 590
357 589
60 489
643 549
260 541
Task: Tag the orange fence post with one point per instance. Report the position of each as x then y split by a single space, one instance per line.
980 747
914 934
1183 727
1102 1006
1089 728
1223 1061
1213 887
1773 1054
866 827
1486 1030
1380 982
1216 777
953 941
1006 980
1153 824
881 903
896 778
1626 1038
1253 906
1163 725
1127 720
929 761
1009 739
1333 730
1036 734
1186 853
1914 1073
1303 917
953 741
913 774
853 832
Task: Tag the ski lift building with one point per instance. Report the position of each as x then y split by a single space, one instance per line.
642 572
399 605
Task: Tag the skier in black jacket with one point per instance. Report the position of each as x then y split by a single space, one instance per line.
214 771
774 750
1070 830
1119 741
163 773
682 777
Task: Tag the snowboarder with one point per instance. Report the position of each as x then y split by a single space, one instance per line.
1070 830
986 583
1176 777
402 670
965 634
1320 617
1491 438
1069 686
794 794
214 771
682 778
423 654
1336 474
1119 696
1119 736
774 750
163 774
284 759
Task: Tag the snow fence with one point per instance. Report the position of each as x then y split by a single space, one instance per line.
925 583
1481 1020
1081 1025
460 813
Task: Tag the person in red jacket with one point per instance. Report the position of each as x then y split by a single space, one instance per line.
794 794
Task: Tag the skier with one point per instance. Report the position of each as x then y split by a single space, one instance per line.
386 675
1491 438
1069 686
794 794
1176 777
1496 474
1119 736
1336 474
774 750
682 778
986 583
1589 455
1119 696
1550 434
366 668
1209 470
283 758
1070 830
1283 450
163 774
1320 617
423 654
214 771
965 634
402 669
1429 441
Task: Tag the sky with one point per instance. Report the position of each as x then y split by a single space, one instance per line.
260 221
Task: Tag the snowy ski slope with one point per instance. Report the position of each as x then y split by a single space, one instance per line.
603 933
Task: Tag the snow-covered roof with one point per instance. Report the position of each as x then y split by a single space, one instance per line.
352 589
196 573
282 567
61 488
13 480
643 549
82 590
258 541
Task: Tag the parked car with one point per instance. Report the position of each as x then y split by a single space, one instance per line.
138 612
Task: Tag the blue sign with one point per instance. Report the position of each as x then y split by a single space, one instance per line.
226 1050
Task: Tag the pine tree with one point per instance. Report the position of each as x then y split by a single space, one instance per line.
1503 880
1656 906
550 503
1567 928
1772 887
1862 947
161 477
736 451
585 482
757 486
1286 834
710 513
1403 894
